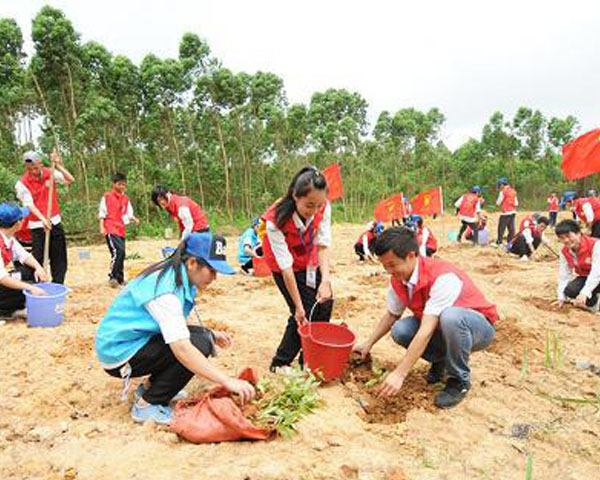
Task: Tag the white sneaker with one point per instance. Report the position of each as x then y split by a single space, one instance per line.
22 313
284 370
494 245
524 258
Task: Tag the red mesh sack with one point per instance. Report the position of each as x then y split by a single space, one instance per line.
215 417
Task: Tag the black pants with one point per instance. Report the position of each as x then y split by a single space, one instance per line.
575 286
596 230
290 344
116 247
519 246
58 250
464 226
167 375
11 299
359 250
248 265
506 221
553 217
429 252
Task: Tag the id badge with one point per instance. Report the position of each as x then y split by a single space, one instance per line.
311 277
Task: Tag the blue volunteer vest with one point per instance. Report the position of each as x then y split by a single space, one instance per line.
128 326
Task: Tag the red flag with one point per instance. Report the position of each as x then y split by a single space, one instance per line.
333 175
581 157
389 209
428 203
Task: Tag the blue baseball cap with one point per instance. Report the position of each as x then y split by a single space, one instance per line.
415 218
502 181
475 189
210 248
11 213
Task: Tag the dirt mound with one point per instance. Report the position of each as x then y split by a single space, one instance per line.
373 279
498 267
345 307
361 382
547 304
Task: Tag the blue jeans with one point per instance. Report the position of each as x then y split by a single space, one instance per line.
460 332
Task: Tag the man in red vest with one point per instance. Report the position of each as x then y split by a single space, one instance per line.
530 237
508 202
451 317
115 211
580 255
188 214
553 208
587 210
33 190
469 209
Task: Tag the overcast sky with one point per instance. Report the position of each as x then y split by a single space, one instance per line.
466 57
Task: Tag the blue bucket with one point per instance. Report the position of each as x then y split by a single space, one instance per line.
167 252
47 310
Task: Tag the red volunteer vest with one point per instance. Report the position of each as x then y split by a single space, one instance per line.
116 206
553 203
6 252
40 189
24 234
198 215
370 238
527 222
468 206
429 270
431 240
593 201
300 246
509 199
582 263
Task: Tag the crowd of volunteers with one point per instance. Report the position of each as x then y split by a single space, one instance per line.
433 309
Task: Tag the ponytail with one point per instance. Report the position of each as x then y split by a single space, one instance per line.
306 180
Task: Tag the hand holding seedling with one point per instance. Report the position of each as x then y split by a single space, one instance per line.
242 388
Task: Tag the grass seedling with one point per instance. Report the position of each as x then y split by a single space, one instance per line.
529 467
553 353
133 256
524 364
593 402
378 374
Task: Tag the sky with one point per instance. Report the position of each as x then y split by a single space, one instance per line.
468 58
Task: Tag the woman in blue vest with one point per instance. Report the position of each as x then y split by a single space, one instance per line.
145 332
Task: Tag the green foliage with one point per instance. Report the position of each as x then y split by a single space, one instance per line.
230 139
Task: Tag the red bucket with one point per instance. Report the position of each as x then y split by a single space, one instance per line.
261 269
326 348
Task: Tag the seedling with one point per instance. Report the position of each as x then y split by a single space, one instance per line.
553 353
525 364
282 401
529 467
133 256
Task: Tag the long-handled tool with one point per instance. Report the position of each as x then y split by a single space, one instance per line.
53 169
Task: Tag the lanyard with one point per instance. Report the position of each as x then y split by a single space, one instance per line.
310 242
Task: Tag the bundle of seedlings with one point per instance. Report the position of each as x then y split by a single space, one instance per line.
282 401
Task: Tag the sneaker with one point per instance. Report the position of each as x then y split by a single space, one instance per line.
593 308
19 313
157 413
436 373
452 394
113 283
494 245
139 391
284 370
245 272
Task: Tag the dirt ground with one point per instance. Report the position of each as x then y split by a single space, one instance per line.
533 390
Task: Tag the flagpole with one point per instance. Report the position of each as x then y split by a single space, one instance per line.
442 215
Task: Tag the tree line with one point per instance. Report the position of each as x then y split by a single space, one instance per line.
231 140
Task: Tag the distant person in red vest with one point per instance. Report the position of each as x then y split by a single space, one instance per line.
115 211
587 210
553 208
428 244
469 208
364 246
296 248
14 282
33 190
451 317
530 237
188 214
580 256
508 202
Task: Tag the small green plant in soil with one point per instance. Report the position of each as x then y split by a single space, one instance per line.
133 256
